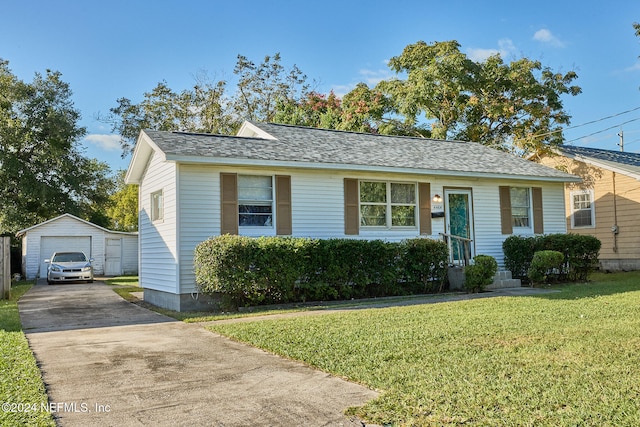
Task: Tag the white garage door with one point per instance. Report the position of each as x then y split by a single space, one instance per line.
51 244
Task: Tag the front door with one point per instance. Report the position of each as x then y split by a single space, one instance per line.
459 221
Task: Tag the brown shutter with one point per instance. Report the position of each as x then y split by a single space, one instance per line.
538 220
283 205
228 203
505 210
424 202
351 209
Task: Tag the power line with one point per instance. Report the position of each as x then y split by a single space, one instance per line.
585 124
604 130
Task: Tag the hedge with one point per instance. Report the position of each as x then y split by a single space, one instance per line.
580 254
266 270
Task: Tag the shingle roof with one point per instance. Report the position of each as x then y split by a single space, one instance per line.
629 162
310 147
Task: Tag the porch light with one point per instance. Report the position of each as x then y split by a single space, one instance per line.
437 199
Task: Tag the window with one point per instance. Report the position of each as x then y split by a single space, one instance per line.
157 208
387 204
255 201
582 209
520 207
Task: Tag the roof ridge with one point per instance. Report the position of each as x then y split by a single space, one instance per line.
417 138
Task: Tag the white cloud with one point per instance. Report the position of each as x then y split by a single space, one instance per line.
545 36
106 142
635 67
370 77
505 48
373 77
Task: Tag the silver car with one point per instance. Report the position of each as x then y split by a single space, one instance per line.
68 267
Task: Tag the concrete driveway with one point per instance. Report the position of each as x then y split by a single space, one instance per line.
107 362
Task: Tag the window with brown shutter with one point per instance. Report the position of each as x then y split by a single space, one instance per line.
228 203
538 219
424 201
505 210
351 209
283 205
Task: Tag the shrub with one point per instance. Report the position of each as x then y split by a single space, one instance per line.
424 265
543 263
481 273
248 271
580 254
518 253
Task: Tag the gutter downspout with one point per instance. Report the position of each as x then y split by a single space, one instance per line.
614 229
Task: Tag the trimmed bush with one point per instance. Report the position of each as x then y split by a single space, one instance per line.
580 254
543 264
480 274
424 265
248 271
518 253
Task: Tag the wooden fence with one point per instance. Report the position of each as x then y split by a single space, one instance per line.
5 267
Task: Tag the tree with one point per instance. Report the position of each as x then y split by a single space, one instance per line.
261 87
438 78
123 206
514 106
42 170
208 108
361 110
314 110
203 109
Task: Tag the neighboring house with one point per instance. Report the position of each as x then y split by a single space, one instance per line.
294 181
114 252
606 204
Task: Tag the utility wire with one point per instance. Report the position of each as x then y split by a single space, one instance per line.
585 124
604 130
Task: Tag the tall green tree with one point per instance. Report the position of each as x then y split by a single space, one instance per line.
262 86
43 172
208 107
201 109
516 106
123 206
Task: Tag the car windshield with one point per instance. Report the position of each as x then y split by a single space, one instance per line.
69 257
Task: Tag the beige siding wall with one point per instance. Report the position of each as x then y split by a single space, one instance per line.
617 201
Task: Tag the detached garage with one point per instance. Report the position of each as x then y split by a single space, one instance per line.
114 253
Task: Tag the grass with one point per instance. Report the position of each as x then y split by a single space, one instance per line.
568 358
20 381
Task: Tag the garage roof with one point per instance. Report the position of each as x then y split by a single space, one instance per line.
68 215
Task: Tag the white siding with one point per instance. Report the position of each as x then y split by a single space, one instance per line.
130 255
199 214
317 199
158 251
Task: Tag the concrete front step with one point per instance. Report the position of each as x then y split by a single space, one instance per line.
503 279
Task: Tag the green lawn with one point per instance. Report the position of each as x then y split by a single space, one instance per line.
569 358
22 393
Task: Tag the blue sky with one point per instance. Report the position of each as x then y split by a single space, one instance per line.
123 48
